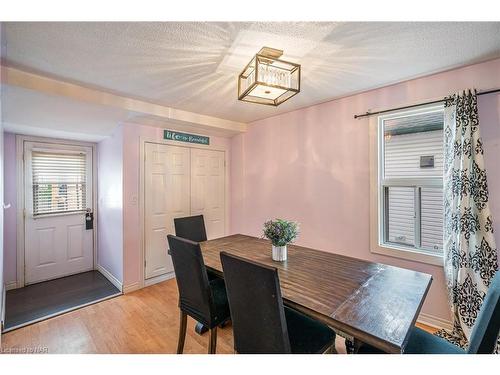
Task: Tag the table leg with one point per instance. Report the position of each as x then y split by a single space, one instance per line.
352 345
224 323
200 329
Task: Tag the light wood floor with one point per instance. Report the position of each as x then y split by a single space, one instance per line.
145 321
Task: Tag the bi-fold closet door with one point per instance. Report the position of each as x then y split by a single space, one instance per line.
180 181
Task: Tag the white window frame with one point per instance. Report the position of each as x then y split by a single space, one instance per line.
56 148
377 183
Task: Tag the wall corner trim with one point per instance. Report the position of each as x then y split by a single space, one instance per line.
3 297
11 285
112 279
131 287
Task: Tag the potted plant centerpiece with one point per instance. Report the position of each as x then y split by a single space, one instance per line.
280 232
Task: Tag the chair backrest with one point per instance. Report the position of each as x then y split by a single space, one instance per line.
195 296
191 227
257 313
484 336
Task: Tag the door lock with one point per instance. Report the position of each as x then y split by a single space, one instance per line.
89 219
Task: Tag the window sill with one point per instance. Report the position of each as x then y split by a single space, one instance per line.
408 254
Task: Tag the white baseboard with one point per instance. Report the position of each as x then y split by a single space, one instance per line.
2 311
7 286
434 321
131 287
159 279
148 282
108 275
11 285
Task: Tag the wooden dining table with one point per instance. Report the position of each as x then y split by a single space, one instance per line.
373 303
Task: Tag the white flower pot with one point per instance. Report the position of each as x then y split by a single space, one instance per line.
279 253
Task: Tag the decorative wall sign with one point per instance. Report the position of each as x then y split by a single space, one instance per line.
186 137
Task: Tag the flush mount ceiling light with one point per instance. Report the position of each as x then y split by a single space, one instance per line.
268 80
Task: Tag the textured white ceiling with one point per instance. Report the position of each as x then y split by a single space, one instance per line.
194 66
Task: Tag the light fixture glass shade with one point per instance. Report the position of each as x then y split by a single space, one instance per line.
268 80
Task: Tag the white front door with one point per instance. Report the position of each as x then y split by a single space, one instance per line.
166 182
58 193
208 189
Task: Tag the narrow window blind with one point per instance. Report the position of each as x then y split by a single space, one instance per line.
58 182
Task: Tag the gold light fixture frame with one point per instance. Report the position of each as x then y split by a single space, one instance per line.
268 55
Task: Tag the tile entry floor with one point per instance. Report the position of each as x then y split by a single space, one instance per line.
38 301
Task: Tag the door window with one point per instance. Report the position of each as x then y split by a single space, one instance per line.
59 182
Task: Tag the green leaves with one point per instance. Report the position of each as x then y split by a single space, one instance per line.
281 232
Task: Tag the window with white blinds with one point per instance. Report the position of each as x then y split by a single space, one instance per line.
59 182
411 180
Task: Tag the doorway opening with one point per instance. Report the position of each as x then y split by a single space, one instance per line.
56 232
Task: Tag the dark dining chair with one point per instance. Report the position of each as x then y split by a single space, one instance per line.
203 299
191 227
261 323
484 335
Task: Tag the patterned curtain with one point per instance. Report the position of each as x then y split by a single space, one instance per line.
470 251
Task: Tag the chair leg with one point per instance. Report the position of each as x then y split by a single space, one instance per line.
331 349
182 332
212 346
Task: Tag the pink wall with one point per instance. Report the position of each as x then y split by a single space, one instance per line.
131 219
10 197
312 165
1 188
489 117
110 203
